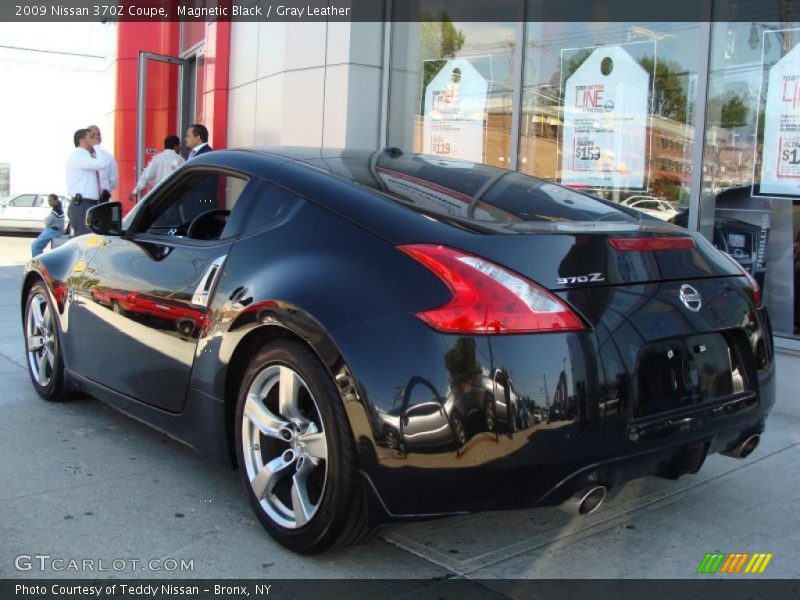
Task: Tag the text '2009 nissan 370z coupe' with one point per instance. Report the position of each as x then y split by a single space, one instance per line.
377 336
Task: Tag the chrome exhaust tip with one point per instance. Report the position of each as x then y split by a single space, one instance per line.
745 448
586 501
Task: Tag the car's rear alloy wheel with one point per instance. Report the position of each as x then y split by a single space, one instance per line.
287 466
296 451
45 364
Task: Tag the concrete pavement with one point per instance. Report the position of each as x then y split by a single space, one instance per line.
82 481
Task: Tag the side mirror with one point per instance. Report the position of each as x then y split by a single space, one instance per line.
105 218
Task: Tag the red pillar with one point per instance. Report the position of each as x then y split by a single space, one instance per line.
212 100
132 38
215 92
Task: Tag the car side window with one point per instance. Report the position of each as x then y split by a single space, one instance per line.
25 201
197 208
270 206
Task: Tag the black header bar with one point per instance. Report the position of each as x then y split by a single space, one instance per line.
783 11
730 588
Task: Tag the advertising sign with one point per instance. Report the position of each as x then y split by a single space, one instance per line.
605 133
780 151
455 112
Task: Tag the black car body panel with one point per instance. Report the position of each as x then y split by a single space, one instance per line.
443 423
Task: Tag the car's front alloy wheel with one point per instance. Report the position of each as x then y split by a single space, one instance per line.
42 347
296 451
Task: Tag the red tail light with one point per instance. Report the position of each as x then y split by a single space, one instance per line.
488 298
755 286
652 243
750 278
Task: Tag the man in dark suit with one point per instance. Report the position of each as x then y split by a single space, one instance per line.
197 140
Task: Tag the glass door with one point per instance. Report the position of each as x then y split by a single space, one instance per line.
161 105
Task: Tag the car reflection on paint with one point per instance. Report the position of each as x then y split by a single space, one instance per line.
424 420
115 299
181 316
506 411
428 420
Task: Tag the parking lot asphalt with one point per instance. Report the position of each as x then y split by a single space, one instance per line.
81 481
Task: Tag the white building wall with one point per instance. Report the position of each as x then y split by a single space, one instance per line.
305 84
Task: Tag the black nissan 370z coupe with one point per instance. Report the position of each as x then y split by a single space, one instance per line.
377 336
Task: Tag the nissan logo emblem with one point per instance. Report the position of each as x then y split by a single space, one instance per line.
690 297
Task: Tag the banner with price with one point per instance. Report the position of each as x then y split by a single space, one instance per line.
604 140
780 154
455 112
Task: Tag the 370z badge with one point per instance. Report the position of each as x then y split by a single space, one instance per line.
580 279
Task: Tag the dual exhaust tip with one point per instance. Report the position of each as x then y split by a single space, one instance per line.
744 448
586 501
590 498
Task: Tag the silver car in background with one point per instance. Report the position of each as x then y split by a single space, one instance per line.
26 212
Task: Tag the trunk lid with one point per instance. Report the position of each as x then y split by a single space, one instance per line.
578 255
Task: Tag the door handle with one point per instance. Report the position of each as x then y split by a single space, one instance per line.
203 291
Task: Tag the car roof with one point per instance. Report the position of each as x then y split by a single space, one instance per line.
453 187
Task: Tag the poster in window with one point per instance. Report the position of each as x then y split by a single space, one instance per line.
779 174
606 110
455 112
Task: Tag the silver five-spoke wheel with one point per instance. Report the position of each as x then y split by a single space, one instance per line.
284 446
40 340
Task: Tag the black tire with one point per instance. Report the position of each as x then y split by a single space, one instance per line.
512 418
56 389
340 518
186 327
490 414
459 431
393 441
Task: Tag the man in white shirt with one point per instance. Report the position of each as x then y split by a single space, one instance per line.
83 180
197 140
163 163
109 175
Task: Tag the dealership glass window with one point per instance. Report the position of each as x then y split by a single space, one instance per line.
610 108
748 127
451 90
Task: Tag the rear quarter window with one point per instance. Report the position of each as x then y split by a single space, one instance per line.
271 205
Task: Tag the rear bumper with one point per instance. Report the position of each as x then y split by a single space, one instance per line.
517 479
577 430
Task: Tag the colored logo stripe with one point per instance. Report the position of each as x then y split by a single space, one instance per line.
758 563
733 563
711 562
